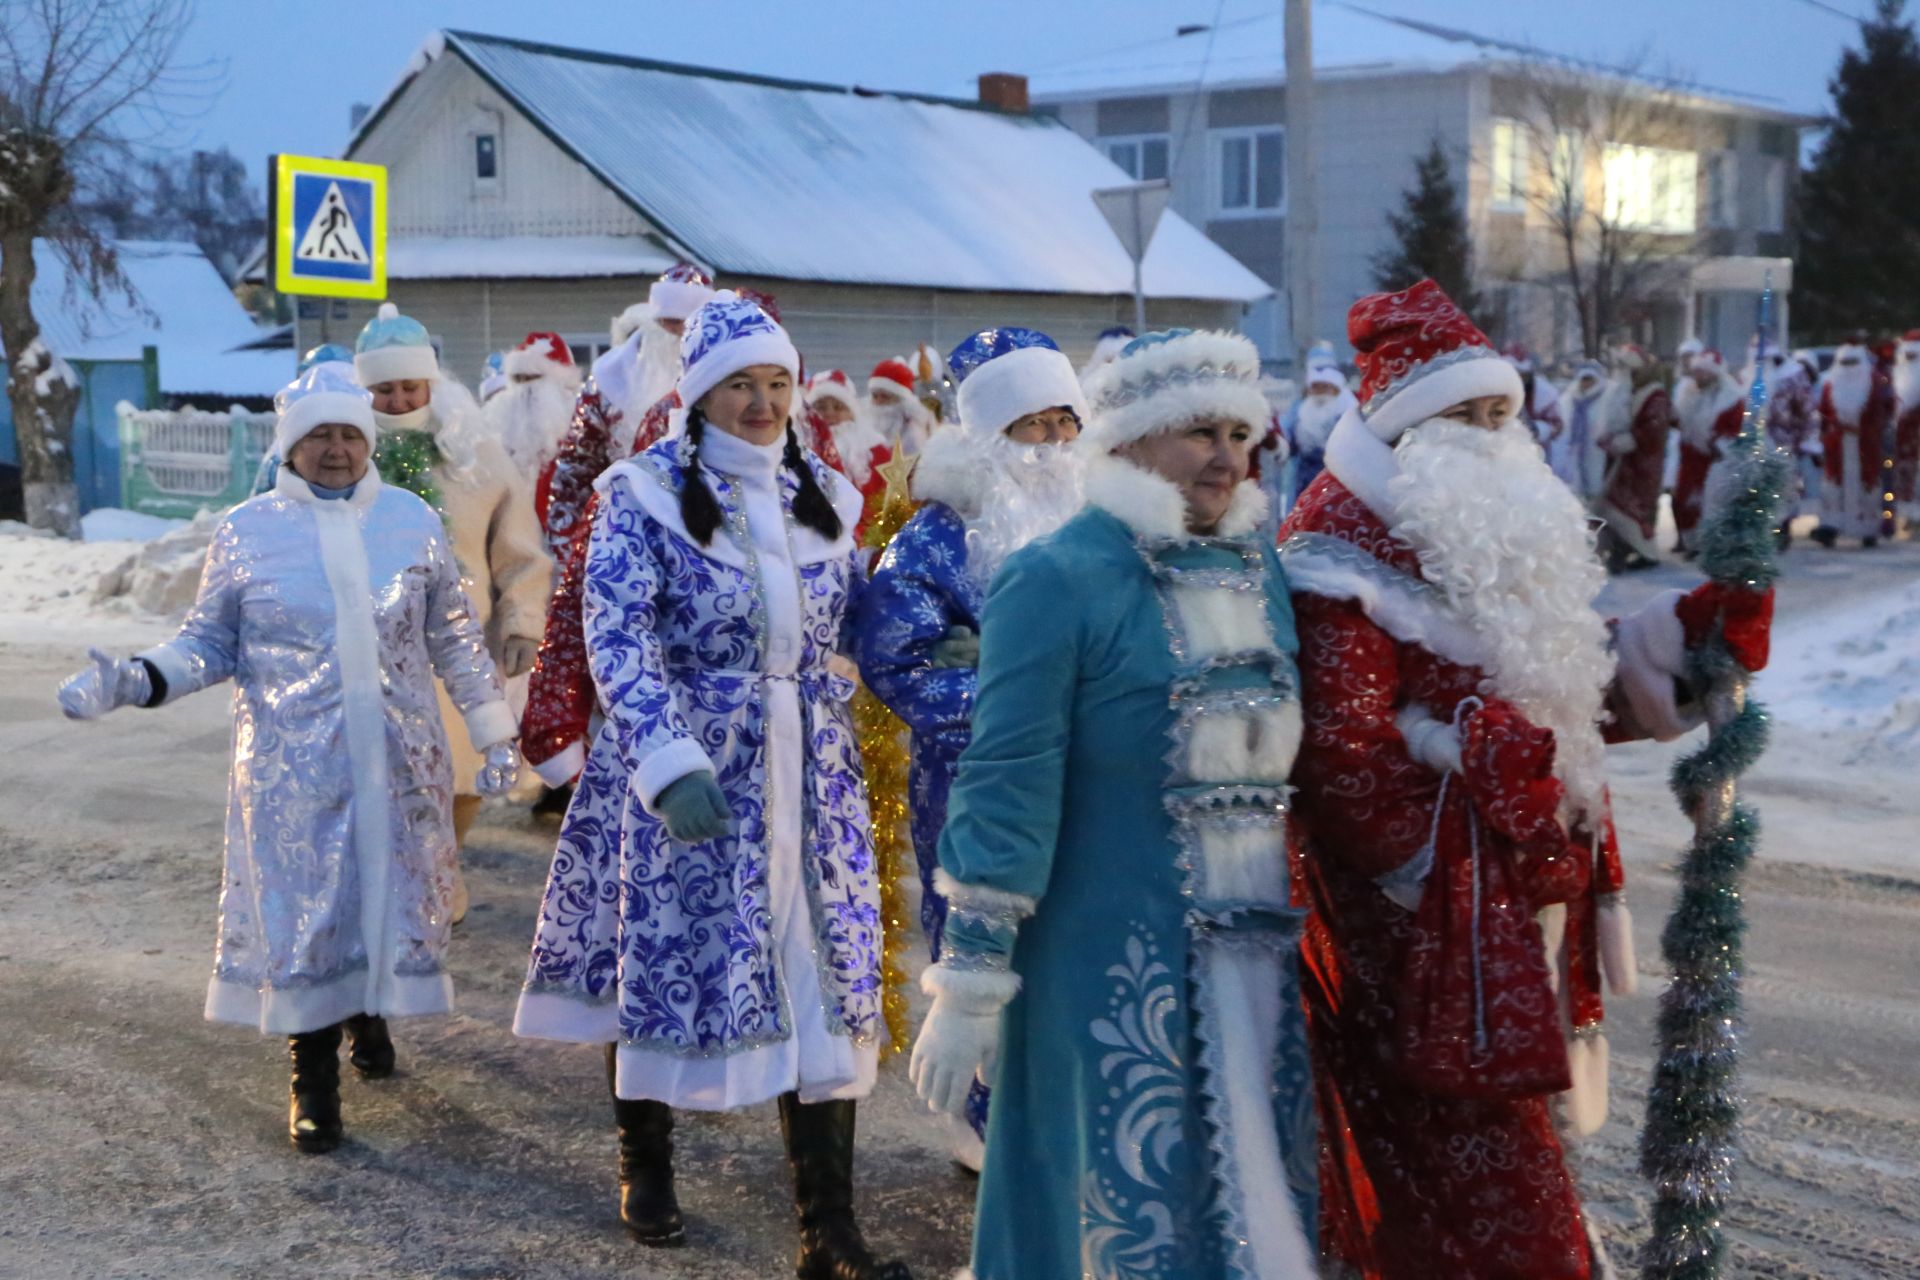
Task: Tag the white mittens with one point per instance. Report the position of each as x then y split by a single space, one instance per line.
500 770
961 1037
108 684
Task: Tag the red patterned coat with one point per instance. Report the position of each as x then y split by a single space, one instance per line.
1636 457
1708 419
1440 1156
1854 450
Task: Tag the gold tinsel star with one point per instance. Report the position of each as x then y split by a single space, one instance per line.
897 471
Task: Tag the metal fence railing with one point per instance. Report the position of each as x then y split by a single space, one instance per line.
175 463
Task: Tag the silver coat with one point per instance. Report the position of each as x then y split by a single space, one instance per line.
332 618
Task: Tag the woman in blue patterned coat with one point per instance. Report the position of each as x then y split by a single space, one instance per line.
990 484
712 911
1122 942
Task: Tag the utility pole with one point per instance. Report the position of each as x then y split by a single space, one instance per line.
1303 205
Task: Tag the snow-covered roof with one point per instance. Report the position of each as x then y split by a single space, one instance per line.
499 257
183 308
780 178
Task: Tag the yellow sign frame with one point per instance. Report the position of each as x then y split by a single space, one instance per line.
286 279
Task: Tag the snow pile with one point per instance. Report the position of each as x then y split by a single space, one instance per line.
1852 677
115 524
163 575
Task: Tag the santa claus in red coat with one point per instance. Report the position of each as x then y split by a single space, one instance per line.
532 413
1710 406
1451 815
1635 444
862 451
1856 419
1906 432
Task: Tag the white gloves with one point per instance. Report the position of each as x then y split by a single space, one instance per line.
500 771
108 684
961 1037
517 656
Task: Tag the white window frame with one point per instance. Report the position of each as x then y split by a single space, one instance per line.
1219 140
1138 142
1508 164
1652 188
597 343
486 123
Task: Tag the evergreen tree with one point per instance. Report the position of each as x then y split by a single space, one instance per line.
1859 259
1430 235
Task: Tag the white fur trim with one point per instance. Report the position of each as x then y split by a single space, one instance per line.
1009 387
763 346
664 766
947 470
1174 406
1434 743
489 723
983 897
623 326
559 770
1152 505
1219 621
1585 1104
317 410
1246 510
294 1010
677 299
975 990
1650 646
1432 394
1408 614
1244 864
396 364
1243 746
1614 923
1365 464
540 1016
535 360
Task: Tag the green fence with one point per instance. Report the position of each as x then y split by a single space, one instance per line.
175 463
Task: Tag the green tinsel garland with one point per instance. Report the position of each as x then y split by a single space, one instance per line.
407 459
1691 1141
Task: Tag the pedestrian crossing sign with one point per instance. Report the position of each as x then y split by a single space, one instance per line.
329 227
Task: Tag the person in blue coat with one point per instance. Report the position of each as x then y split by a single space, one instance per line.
1121 948
999 478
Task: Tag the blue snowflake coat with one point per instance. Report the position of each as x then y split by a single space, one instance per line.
921 589
666 946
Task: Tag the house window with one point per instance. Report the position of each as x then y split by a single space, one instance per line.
1722 205
1773 195
1651 189
1252 172
1144 158
1569 176
1509 164
486 157
585 348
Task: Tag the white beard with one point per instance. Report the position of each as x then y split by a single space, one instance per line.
1508 544
1316 423
1851 385
1906 378
656 370
530 419
1026 492
458 424
855 440
906 426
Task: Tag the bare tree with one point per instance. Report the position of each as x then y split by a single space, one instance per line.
1618 192
82 84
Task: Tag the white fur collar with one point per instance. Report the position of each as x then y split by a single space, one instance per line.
1150 505
288 483
945 470
1365 464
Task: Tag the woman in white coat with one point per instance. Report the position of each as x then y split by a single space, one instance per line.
331 601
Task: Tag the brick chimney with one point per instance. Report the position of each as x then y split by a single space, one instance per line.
1004 91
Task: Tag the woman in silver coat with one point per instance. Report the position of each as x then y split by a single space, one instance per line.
331 601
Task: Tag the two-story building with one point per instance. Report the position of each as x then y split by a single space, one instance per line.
533 187
1698 185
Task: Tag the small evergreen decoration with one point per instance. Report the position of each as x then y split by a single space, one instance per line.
1691 1141
1858 263
1430 235
407 459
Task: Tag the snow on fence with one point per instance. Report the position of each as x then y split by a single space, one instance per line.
178 462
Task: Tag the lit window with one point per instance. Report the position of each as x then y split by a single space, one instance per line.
486 156
1509 164
1253 171
1651 189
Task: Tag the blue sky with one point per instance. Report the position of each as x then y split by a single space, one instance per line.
295 69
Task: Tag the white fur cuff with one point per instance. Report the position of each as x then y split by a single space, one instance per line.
1432 742
984 899
665 766
974 990
1651 647
559 770
490 722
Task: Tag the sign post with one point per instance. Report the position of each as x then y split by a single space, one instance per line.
329 227
1133 211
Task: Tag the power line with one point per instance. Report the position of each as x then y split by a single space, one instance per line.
1836 11
1179 144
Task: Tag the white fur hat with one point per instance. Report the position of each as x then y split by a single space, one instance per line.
1164 379
326 392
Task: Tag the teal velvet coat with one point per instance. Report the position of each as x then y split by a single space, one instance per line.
1116 835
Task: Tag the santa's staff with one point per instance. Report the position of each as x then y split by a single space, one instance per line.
1690 1143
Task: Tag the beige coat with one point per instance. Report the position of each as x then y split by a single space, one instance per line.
503 565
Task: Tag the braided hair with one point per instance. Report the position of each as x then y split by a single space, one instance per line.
700 510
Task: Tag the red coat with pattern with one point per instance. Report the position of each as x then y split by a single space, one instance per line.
1630 503
1463 1180
1705 425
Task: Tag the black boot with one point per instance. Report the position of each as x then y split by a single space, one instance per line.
819 1138
369 1047
313 1114
648 1207
1826 535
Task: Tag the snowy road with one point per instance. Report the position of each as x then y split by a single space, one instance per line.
140 1141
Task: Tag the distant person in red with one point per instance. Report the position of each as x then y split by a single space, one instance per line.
1906 432
862 450
1856 420
1636 448
531 413
1710 406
